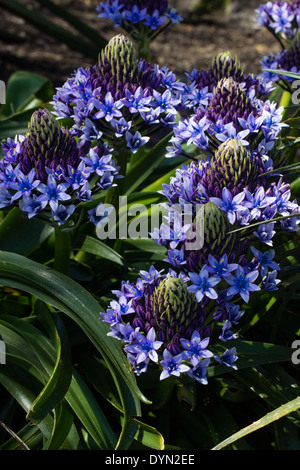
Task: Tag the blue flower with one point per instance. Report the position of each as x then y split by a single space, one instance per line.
265 233
24 184
99 165
269 283
165 102
121 126
227 334
242 283
265 260
145 347
53 193
176 258
31 205
258 201
229 204
202 284
5 197
228 358
90 131
77 176
150 276
174 16
199 372
154 20
233 312
172 365
62 213
135 141
136 102
135 15
109 109
99 215
220 268
195 348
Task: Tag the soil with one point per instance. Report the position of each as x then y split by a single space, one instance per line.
182 47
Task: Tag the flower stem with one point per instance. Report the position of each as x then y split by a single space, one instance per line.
144 48
62 250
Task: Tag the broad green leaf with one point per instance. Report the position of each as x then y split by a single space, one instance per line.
20 382
69 297
149 436
20 235
22 88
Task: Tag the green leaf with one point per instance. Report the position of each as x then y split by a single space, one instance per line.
286 73
34 233
96 247
22 89
60 379
251 354
149 436
69 297
269 418
63 420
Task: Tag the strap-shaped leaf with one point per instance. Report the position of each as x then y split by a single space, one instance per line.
69 297
269 418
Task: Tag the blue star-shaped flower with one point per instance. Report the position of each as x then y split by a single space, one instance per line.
220 268
195 348
242 283
203 284
172 365
229 204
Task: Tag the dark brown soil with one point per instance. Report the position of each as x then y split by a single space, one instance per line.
182 47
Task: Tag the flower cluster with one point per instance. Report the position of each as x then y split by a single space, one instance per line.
232 191
287 60
162 319
231 111
282 19
48 171
138 17
201 83
121 96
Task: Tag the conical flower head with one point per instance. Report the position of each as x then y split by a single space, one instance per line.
212 227
229 103
232 167
176 311
118 61
172 304
226 65
169 308
47 147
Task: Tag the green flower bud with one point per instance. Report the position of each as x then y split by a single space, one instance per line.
174 308
120 56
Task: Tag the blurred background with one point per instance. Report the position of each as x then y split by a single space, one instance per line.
209 27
